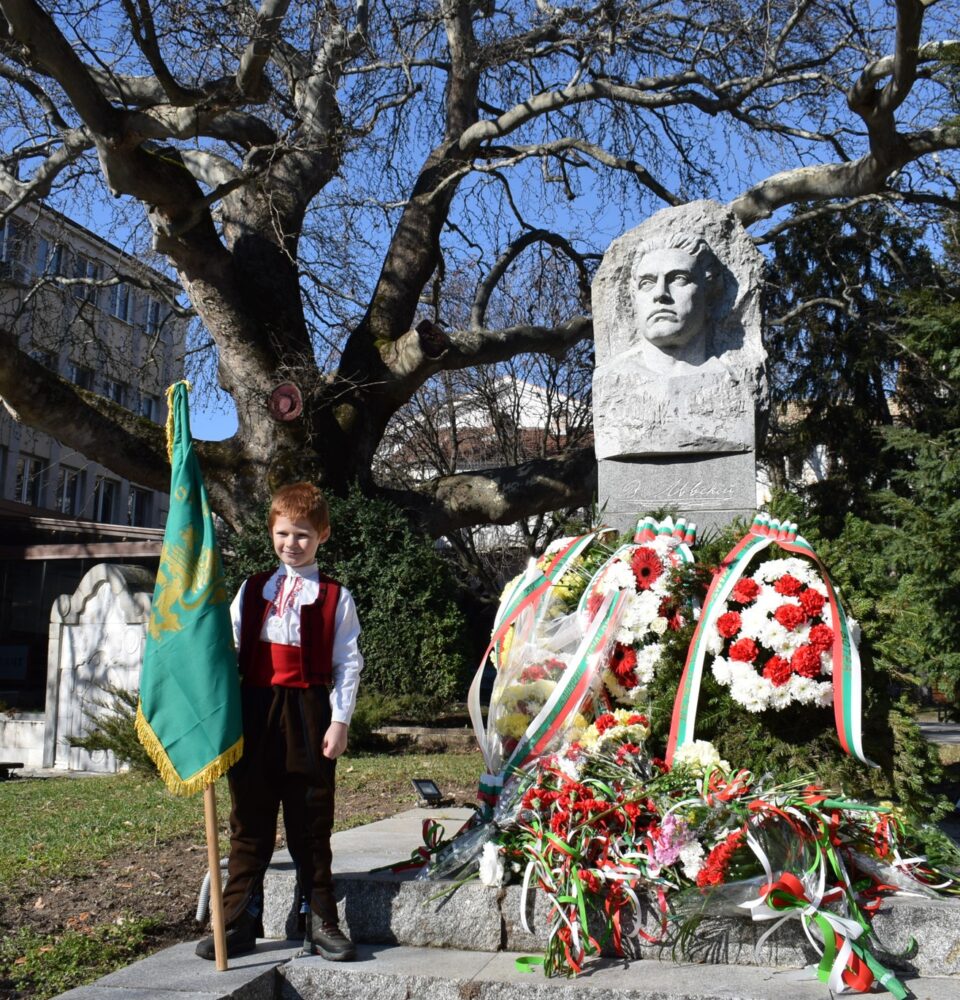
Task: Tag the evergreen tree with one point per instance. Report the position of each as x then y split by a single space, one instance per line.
834 306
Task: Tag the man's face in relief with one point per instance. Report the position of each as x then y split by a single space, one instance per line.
670 298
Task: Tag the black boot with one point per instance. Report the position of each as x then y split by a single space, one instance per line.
241 937
324 938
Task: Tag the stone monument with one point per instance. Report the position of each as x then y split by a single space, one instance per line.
679 381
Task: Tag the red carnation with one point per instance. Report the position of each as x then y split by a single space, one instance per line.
636 720
806 661
812 602
593 604
745 650
790 616
821 637
605 722
777 671
646 567
535 672
728 625
788 585
745 590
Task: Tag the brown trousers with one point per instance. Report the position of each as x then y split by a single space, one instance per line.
282 763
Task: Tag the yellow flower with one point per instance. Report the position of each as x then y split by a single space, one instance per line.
513 725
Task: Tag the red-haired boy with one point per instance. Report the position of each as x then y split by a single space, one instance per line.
296 631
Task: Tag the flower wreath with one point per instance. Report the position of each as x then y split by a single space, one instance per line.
772 646
645 570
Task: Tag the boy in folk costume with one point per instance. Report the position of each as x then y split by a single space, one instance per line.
296 631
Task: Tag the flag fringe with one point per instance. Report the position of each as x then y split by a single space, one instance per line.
217 768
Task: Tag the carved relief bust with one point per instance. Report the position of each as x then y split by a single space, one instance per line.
679 358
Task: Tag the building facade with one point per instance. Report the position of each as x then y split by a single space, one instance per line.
103 320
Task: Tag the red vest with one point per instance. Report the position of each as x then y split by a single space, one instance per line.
317 629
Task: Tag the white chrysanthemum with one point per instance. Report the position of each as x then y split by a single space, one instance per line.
767 601
691 858
800 569
753 620
803 689
699 756
826 664
780 697
557 545
647 659
618 576
853 627
491 865
824 693
750 690
714 641
722 671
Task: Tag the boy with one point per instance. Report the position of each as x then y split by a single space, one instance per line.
296 631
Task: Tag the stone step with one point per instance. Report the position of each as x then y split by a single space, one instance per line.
397 972
397 909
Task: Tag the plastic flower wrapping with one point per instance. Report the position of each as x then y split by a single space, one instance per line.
578 807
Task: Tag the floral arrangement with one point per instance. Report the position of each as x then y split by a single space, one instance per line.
646 571
577 805
773 645
601 822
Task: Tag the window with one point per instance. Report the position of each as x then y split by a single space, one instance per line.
50 257
81 375
31 480
69 491
83 267
46 358
153 316
11 251
121 301
139 506
117 391
105 493
149 407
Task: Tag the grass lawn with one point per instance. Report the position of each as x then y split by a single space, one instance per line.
67 844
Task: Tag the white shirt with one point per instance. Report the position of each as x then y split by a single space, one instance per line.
287 589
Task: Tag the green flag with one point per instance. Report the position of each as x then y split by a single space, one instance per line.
189 713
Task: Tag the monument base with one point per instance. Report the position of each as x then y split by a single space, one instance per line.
711 490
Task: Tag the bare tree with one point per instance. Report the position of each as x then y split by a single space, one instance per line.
312 172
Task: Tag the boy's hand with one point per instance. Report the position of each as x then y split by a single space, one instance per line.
335 740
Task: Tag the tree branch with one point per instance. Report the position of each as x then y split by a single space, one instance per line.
503 495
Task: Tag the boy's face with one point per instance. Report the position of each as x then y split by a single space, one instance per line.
296 541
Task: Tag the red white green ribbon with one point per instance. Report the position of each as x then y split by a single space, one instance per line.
564 702
527 594
847 686
572 688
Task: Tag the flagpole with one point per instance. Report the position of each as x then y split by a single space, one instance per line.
213 862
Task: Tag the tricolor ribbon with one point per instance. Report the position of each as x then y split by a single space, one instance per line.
564 702
847 687
526 595
844 964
